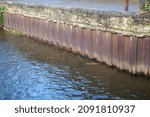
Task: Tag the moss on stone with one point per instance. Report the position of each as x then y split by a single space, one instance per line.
1 16
15 32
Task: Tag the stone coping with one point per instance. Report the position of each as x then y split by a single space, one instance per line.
124 23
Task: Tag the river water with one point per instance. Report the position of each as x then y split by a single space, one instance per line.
106 5
33 70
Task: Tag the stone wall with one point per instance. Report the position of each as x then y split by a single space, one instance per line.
116 22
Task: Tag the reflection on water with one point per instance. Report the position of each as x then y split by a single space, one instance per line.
33 70
108 5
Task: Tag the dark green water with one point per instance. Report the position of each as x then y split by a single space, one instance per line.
33 70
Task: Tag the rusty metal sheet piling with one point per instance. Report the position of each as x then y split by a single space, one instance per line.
140 55
47 31
79 39
10 22
19 23
84 50
60 29
54 33
114 48
133 54
40 29
32 27
125 52
145 57
64 39
98 45
93 44
74 39
121 50
62 44
70 38
43 30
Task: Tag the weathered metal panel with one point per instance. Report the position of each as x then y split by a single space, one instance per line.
87 42
59 34
29 27
146 55
66 37
99 45
60 27
143 55
93 44
79 40
49 32
32 27
19 23
140 55
126 55
8 17
108 48
44 31
74 38
114 45
54 33
10 22
103 47
33 35
63 36
35 28
15 22
25 25
70 39
133 55
40 30
121 50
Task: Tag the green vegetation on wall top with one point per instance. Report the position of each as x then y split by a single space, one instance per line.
147 5
1 16
144 5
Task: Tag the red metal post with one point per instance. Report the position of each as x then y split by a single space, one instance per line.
126 5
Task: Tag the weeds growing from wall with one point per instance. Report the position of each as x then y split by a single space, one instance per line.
144 5
1 16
